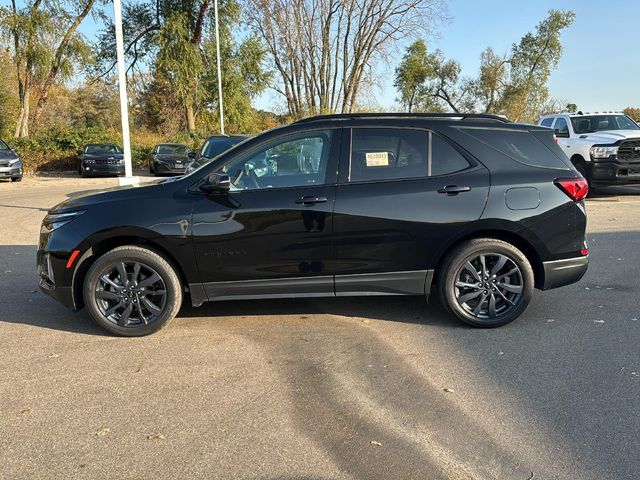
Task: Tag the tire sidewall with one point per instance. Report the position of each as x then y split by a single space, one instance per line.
166 272
472 251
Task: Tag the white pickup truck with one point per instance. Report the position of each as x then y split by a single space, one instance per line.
604 147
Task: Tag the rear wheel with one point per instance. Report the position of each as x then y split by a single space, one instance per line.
486 282
132 291
16 179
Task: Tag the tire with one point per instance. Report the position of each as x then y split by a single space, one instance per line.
145 316
16 179
456 281
151 169
583 171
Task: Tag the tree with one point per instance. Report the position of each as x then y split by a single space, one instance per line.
412 74
531 63
571 107
175 41
46 47
324 50
633 112
514 85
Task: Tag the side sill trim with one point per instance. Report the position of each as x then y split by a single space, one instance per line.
387 283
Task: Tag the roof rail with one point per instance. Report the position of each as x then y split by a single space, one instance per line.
348 116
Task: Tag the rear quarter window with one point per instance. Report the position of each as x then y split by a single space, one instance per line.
521 145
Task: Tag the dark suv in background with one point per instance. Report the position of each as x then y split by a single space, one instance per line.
473 208
214 146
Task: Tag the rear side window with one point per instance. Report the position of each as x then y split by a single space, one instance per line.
444 158
394 154
520 145
547 122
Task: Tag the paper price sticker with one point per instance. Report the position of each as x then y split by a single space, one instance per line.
377 159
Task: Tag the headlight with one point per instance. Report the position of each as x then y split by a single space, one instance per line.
603 152
56 220
14 162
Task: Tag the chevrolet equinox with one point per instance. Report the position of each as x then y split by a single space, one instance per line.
474 209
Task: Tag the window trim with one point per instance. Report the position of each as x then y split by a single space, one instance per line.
347 152
334 151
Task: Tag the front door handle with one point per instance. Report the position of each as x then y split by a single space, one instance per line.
311 200
453 189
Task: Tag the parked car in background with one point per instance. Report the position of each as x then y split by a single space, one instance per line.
214 146
101 159
604 147
474 208
10 163
170 159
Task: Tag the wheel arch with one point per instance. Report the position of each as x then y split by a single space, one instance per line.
518 241
102 246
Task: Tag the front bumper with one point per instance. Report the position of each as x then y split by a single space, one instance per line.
48 268
613 172
96 170
169 168
10 172
559 273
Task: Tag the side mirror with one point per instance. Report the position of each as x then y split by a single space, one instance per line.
562 133
216 183
191 154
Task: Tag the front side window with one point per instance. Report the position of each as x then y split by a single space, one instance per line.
297 161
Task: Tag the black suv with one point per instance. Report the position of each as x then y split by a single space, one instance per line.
472 207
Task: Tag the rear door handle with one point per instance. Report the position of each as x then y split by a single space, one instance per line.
311 200
453 189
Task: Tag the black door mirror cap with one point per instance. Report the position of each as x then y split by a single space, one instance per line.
216 183
561 134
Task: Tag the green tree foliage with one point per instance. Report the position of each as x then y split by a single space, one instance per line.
175 42
514 85
633 112
46 48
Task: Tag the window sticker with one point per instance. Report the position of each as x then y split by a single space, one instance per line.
377 159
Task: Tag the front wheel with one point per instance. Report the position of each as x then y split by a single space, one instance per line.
486 282
16 179
132 291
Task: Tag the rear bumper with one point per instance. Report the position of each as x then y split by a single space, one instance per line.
564 272
613 172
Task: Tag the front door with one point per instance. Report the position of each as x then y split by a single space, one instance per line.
402 194
272 233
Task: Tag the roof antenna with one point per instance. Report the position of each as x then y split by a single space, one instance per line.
580 112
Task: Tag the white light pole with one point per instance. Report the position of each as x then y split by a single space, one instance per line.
215 11
124 103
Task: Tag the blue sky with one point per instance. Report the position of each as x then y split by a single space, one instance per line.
600 65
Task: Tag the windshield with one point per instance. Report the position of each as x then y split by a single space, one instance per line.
172 150
3 146
102 149
599 123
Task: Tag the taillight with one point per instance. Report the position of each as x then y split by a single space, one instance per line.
575 188
555 139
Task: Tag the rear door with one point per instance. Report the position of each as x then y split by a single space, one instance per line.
402 193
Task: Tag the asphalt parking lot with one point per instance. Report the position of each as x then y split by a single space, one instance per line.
318 389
